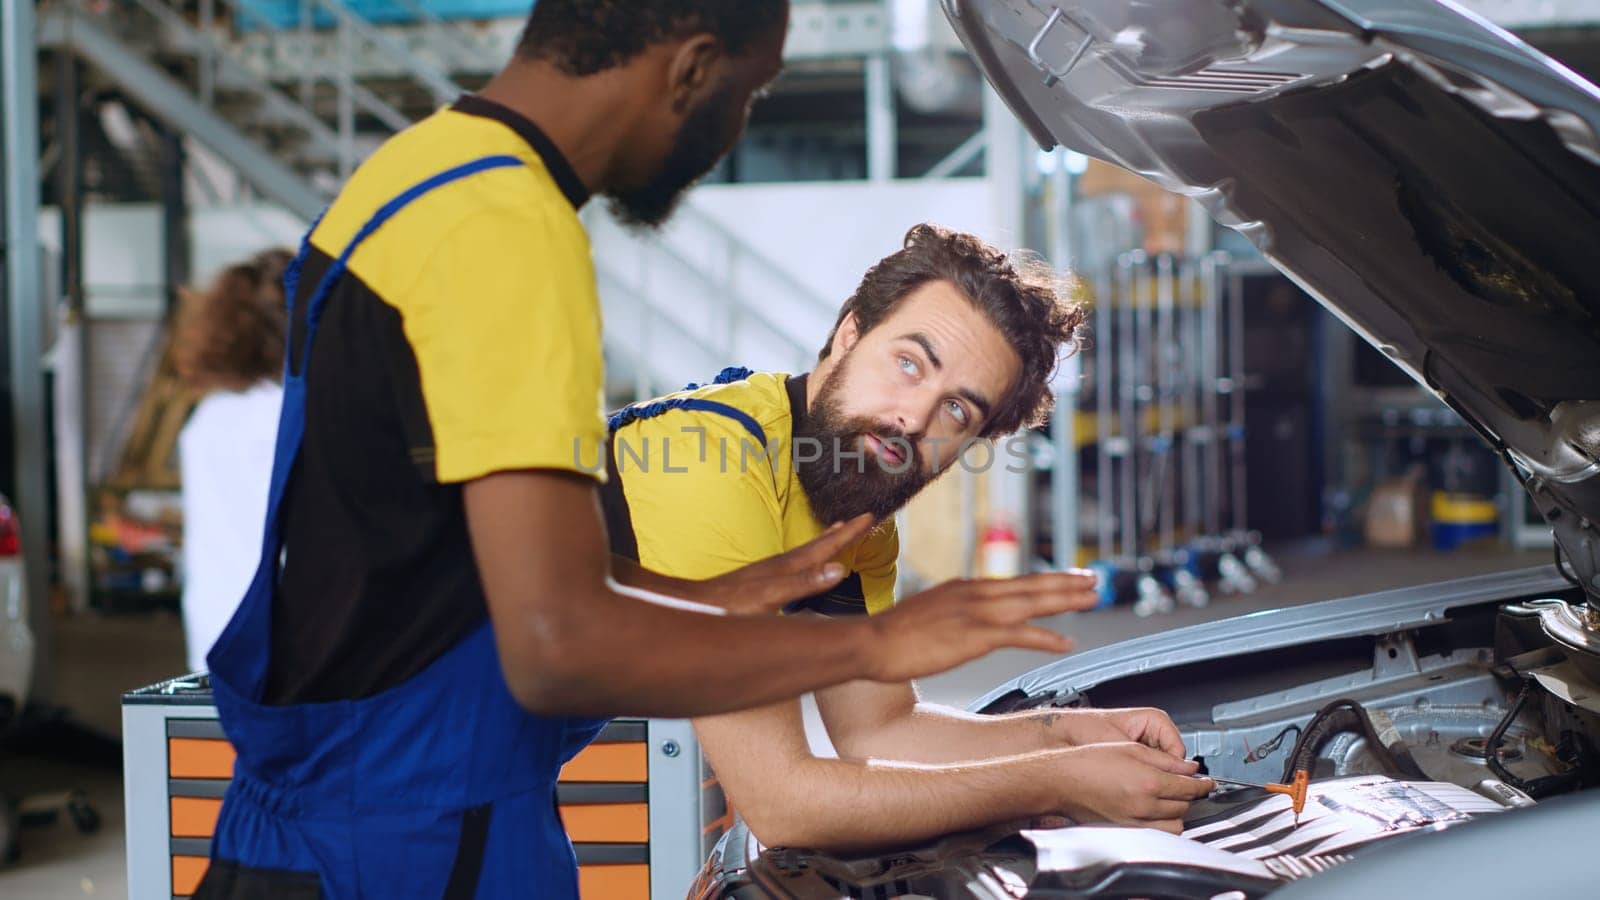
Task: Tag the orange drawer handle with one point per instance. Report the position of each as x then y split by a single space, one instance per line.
187 872
199 758
607 823
595 882
623 882
195 817
609 762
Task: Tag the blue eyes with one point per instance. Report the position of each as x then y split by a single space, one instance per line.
956 410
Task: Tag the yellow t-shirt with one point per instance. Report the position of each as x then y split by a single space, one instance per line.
492 279
696 493
463 339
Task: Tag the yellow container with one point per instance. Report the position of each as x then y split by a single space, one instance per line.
1463 509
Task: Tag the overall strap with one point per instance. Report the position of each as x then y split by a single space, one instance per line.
384 213
240 658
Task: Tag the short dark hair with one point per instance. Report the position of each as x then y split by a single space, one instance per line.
583 37
1020 295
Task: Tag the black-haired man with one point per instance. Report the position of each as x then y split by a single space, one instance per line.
435 608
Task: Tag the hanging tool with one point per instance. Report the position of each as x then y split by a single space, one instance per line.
1295 790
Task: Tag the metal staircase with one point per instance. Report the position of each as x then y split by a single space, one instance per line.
725 303
142 56
294 117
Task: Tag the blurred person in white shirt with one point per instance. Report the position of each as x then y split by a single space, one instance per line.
229 344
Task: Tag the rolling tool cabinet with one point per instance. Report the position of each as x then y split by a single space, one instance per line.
640 804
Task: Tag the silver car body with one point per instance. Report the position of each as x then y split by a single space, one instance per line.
1068 679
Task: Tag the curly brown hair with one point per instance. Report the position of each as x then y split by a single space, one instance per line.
1021 296
231 335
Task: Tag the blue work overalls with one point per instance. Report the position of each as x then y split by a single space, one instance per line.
442 786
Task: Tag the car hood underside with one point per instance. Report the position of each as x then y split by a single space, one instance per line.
1431 179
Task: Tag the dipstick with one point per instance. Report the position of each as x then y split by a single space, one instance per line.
1295 790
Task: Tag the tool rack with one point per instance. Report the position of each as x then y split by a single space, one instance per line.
1164 408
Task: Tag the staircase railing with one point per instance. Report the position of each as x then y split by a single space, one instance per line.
460 45
175 104
734 310
350 95
741 251
218 62
738 279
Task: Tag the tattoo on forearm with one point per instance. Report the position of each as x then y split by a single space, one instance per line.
1047 721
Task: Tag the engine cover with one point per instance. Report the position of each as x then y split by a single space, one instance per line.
1242 840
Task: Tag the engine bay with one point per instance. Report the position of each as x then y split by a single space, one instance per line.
1430 707
1484 713
1395 730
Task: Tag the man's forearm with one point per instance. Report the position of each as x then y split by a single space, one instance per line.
611 654
932 733
632 574
850 805
570 642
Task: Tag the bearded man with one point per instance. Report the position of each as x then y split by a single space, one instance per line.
945 342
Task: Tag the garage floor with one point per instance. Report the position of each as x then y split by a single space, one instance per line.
98 658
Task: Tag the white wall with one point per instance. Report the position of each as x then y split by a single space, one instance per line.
123 252
826 234
811 243
223 235
755 274
823 234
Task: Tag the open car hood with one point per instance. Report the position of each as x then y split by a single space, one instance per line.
1428 177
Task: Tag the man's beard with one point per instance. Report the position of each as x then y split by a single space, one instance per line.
696 149
841 489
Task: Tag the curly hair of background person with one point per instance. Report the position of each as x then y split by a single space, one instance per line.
231 335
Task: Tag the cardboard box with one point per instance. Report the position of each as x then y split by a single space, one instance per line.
1162 215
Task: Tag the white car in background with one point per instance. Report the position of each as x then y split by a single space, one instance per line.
16 639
